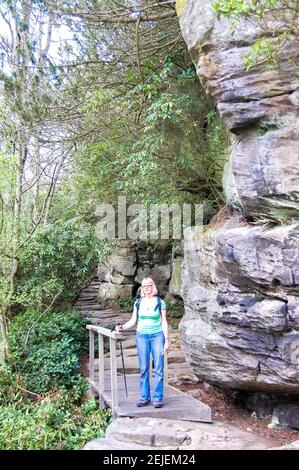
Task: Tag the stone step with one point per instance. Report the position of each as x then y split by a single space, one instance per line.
90 288
104 314
147 432
88 296
105 311
93 306
104 319
88 307
112 444
158 433
100 317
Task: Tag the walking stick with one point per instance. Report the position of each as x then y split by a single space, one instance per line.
122 360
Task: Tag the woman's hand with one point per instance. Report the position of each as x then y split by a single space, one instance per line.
119 328
166 346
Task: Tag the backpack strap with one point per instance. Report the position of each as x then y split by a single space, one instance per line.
159 305
137 305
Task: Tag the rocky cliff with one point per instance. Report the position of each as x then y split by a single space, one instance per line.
241 279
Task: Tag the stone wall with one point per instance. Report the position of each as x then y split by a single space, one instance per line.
122 273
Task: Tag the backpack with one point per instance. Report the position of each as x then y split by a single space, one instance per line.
159 305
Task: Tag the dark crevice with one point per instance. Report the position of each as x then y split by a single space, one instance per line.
275 283
261 98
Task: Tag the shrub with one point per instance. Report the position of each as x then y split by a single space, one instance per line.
46 349
125 305
55 264
175 309
51 424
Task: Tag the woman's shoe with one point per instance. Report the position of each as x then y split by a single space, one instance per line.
157 404
143 403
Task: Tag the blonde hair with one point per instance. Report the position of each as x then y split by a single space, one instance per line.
148 279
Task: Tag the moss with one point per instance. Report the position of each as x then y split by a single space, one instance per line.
285 215
179 6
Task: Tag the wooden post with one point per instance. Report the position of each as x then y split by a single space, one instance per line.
113 367
91 355
101 371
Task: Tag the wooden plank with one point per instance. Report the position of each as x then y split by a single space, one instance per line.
104 331
177 404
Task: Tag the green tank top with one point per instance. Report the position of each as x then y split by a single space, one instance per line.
149 319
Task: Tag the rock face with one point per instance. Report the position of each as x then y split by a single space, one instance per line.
240 281
260 105
117 274
130 262
238 330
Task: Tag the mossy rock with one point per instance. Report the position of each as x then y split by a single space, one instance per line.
179 6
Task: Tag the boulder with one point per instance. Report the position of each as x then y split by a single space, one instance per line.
288 415
237 331
120 267
160 274
108 291
124 263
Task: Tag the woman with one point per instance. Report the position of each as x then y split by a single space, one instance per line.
151 338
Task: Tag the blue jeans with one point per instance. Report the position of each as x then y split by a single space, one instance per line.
147 344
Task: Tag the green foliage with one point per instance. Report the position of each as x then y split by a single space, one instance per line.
56 420
125 305
237 8
52 423
265 50
9 390
8 170
156 138
175 309
270 17
45 349
179 6
55 264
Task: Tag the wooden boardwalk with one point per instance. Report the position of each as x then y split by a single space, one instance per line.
177 404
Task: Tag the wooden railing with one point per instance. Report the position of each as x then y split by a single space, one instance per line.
99 386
